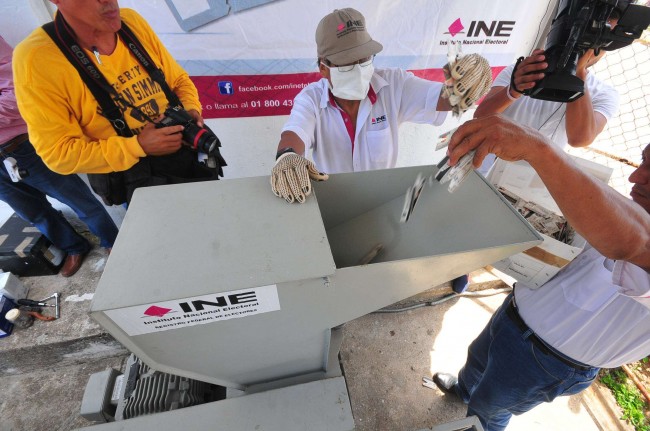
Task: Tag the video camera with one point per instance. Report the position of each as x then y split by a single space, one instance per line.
580 25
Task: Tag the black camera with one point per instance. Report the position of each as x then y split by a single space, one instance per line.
199 138
580 25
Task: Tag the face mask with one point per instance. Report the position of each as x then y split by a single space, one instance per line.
352 85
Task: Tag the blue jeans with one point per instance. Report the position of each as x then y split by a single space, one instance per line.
27 199
507 374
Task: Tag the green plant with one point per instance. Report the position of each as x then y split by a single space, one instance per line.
628 397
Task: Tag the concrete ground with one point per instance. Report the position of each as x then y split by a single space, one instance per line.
385 357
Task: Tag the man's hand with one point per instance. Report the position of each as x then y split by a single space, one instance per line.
529 71
586 60
196 116
596 211
160 142
291 175
497 135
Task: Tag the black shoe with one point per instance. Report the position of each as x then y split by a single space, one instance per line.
460 284
446 382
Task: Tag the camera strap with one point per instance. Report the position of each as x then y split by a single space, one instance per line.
132 42
108 98
512 77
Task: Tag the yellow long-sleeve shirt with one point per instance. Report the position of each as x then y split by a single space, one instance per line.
62 115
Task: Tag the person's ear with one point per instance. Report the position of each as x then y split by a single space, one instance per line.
324 70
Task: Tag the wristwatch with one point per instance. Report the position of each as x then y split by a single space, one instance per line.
284 151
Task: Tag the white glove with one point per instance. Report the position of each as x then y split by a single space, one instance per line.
468 79
291 175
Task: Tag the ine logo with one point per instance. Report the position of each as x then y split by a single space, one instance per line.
200 304
225 87
379 119
349 26
478 28
155 311
491 29
455 28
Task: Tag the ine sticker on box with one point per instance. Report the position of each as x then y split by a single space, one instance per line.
198 310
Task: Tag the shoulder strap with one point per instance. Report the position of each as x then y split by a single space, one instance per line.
106 96
132 42
59 32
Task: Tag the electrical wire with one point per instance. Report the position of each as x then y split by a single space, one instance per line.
539 27
477 294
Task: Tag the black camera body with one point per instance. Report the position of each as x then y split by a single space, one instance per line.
580 25
199 138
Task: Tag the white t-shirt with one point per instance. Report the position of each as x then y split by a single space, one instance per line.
550 117
396 96
594 310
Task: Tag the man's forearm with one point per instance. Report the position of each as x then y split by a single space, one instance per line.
616 226
291 140
495 102
443 104
583 124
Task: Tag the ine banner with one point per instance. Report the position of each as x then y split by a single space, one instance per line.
250 58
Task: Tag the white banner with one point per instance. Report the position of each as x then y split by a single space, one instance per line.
251 57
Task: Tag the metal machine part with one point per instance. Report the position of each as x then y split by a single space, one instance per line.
142 391
146 391
99 401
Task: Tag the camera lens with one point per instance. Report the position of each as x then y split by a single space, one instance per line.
200 138
208 144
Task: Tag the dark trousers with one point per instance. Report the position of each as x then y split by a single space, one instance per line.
28 199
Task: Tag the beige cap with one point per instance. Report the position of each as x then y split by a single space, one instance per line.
342 38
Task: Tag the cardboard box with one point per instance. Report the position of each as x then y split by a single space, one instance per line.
25 251
537 265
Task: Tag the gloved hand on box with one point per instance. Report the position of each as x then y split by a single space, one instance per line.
291 177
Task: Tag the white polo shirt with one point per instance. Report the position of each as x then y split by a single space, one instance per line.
395 96
594 310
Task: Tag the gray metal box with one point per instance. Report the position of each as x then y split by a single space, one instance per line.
224 282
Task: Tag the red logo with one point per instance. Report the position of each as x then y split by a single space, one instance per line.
155 311
341 27
455 28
